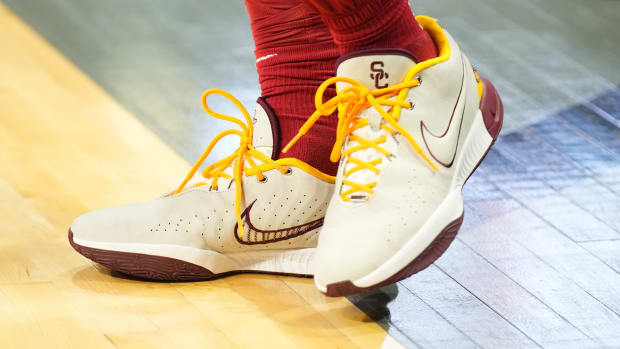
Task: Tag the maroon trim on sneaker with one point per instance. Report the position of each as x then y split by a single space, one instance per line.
271 236
376 52
275 128
492 108
151 267
142 265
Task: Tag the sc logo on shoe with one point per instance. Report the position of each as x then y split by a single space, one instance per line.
378 73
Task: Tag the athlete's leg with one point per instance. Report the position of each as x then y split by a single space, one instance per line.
366 24
294 55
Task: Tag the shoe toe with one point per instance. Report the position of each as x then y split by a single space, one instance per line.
343 257
112 224
163 221
338 265
358 239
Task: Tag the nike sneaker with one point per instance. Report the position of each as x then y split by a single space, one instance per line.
249 212
409 136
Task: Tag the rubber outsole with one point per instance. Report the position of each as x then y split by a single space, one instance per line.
493 113
151 267
144 266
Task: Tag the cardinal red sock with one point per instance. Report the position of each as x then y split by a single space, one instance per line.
367 24
294 55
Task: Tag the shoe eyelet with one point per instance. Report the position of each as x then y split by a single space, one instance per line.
412 102
263 181
419 78
288 172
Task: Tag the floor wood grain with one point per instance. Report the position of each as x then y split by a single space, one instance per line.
536 263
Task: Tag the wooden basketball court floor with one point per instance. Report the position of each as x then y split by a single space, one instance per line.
98 106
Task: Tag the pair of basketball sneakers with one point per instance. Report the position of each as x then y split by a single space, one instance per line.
409 136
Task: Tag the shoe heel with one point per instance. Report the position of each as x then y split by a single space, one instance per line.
492 109
484 131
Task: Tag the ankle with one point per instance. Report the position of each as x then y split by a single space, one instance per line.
292 110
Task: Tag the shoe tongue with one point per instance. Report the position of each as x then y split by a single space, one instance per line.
375 68
266 137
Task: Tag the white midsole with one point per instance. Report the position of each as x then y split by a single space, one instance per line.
289 261
474 148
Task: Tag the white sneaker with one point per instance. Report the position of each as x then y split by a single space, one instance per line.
409 137
193 233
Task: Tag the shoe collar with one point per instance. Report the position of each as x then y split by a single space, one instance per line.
267 136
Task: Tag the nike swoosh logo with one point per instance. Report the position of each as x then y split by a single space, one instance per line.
260 59
256 236
443 147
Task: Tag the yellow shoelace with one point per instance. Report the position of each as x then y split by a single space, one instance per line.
245 152
349 102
